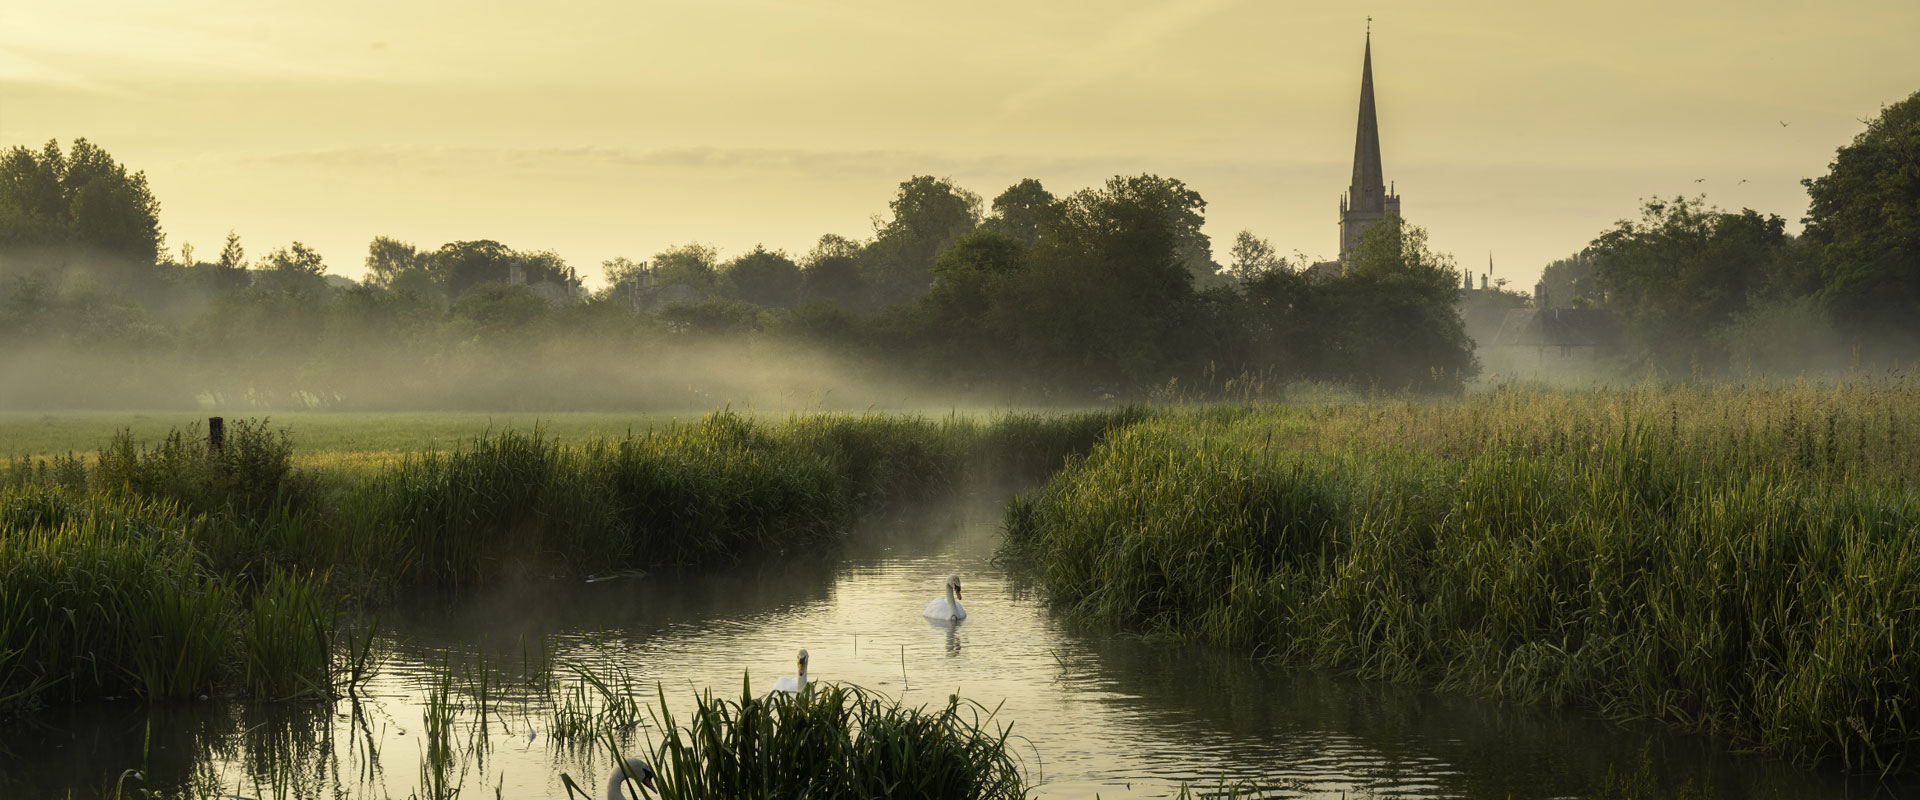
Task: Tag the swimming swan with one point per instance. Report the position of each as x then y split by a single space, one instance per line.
792 684
616 785
947 608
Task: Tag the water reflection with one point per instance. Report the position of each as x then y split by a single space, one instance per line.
1104 714
952 629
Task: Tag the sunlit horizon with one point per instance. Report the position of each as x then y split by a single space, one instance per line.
601 131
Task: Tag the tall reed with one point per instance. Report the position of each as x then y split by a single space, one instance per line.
834 741
138 575
1692 554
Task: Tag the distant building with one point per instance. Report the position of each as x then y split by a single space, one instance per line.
643 293
566 291
1512 337
1541 341
1368 199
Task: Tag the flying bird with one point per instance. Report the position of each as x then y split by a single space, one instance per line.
1699 180
1783 123
1743 180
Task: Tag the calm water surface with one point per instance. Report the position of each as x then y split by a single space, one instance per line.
1095 714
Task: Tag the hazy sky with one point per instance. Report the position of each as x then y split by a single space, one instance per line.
618 128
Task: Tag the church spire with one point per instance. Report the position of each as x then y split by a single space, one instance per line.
1369 192
1368 200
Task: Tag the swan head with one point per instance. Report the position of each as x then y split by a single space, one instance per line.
641 772
802 662
953 582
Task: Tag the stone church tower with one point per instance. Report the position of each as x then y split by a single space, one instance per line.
1369 199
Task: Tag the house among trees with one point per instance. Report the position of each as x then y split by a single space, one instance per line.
643 292
1517 337
557 288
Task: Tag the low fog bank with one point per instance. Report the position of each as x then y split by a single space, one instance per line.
567 375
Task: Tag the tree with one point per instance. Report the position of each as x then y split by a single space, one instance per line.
716 317
230 271
459 266
1184 212
928 214
621 269
1106 295
695 265
1252 257
1392 316
388 258
295 268
832 272
1865 216
82 197
1683 270
971 274
1019 210
232 255
764 278
1571 283
497 308
296 258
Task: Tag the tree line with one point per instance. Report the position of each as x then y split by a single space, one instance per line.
1108 292
1702 290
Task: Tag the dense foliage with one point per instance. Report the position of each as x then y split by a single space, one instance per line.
1743 561
1705 291
1110 291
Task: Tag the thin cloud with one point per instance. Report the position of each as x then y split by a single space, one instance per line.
596 158
1119 49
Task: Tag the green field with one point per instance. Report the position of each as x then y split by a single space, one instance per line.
349 440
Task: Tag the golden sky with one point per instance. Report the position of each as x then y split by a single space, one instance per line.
599 129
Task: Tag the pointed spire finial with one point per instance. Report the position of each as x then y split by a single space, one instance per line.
1369 27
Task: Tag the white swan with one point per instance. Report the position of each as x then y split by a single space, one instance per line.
791 684
947 608
643 774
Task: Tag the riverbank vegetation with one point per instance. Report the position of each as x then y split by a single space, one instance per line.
835 741
1742 560
134 573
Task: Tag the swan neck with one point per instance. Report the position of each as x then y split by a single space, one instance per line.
614 789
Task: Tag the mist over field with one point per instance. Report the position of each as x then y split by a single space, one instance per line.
959 402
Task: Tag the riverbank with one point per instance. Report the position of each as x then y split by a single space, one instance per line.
1744 561
132 573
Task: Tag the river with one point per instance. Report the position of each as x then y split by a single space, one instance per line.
1093 714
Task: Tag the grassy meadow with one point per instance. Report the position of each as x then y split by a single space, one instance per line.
1742 560
367 440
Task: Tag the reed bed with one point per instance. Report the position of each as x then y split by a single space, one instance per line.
1739 561
111 596
172 570
834 741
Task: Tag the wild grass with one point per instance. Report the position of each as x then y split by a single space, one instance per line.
1744 562
110 595
834 741
140 572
